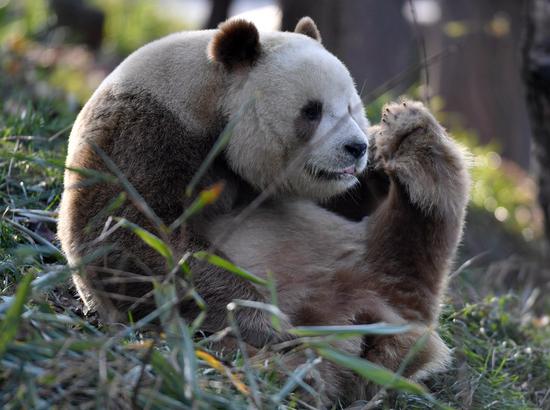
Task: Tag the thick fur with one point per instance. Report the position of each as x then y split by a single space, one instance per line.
155 119
157 116
389 267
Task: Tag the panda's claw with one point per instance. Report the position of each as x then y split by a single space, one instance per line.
406 119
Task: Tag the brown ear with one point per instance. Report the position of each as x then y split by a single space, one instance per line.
236 44
307 27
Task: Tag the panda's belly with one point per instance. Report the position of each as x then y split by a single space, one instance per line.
298 242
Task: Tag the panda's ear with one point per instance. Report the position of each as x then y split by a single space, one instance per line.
307 26
236 44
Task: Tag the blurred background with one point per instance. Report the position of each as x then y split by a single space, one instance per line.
476 63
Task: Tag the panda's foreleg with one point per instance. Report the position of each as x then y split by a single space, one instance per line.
413 235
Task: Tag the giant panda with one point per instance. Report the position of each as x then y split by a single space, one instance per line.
298 137
297 128
390 266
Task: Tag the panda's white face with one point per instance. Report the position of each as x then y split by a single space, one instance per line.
307 131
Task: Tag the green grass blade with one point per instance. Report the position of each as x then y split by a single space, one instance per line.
272 286
179 339
351 330
51 278
228 266
152 240
171 379
371 371
10 324
295 379
54 250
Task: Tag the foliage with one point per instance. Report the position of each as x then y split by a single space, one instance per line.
28 31
132 23
502 357
129 23
502 188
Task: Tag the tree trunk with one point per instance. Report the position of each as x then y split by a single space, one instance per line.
481 78
83 19
219 13
536 74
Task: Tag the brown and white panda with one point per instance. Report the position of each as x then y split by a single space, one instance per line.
391 266
299 131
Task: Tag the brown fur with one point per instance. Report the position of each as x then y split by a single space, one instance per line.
411 240
159 157
236 44
390 267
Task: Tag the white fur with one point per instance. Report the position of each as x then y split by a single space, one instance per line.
294 70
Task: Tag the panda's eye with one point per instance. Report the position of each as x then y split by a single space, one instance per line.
313 110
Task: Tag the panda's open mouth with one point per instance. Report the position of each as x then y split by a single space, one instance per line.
321 173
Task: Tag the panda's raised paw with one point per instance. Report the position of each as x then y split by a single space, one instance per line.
399 122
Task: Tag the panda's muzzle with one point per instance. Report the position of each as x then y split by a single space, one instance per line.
356 149
320 173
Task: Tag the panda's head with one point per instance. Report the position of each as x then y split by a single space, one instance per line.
298 120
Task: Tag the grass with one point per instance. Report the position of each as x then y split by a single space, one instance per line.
52 354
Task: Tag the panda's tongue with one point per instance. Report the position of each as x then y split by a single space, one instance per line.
349 170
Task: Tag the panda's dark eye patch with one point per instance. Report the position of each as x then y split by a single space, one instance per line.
313 110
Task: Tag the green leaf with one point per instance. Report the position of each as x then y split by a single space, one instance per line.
225 264
371 371
152 240
10 324
351 330
272 286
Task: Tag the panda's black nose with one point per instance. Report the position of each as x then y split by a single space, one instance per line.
356 149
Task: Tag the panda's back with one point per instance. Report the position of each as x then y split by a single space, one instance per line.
155 116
